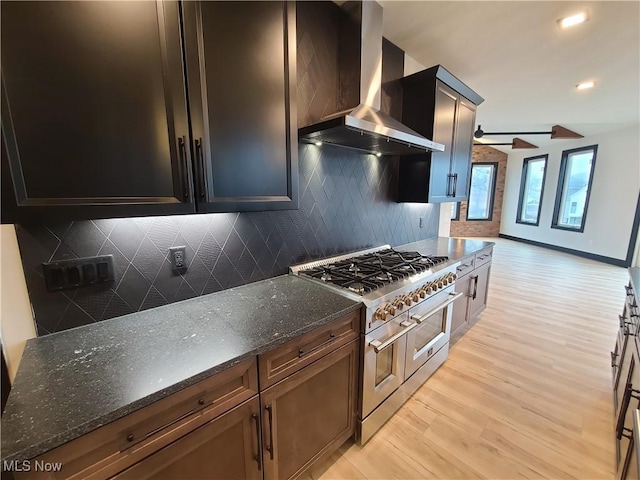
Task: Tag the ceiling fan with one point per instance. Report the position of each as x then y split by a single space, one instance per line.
557 131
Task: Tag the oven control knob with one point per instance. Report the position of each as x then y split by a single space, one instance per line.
415 296
434 286
454 276
440 283
447 280
422 292
391 309
380 314
398 303
407 300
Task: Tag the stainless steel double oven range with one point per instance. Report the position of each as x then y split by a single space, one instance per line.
406 322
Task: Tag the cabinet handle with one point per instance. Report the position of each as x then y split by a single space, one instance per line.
475 287
302 353
258 457
184 168
455 184
449 185
622 413
613 359
269 447
202 186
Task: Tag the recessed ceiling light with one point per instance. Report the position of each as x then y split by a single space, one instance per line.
572 20
586 85
317 144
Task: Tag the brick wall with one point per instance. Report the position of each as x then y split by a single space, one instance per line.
463 228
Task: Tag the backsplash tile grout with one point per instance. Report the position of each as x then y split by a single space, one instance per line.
346 204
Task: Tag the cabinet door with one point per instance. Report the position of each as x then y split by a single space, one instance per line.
461 151
440 181
224 448
479 289
459 315
94 116
310 413
241 76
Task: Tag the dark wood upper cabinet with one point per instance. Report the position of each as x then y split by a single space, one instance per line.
94 112
241 73
442 108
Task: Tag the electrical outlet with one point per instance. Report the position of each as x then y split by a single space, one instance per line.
177 257
421 222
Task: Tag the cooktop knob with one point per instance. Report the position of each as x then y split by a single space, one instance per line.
454 276
415 296
440 283
380 314
422 292
391 309
398 303
407 300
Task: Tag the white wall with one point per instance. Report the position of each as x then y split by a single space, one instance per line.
614 195
16 319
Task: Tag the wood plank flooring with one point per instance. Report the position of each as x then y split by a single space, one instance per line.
526 393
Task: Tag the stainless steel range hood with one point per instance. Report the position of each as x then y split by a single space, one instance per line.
365 127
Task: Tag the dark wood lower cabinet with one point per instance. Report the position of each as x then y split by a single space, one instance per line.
310 413
224 448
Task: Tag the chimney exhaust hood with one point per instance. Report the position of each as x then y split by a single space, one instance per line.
365 127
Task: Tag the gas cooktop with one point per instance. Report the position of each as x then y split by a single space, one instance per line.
364 273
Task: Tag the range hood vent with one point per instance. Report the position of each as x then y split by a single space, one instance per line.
365 127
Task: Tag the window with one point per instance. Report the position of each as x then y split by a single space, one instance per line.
531 188
483 184
574 188
455 211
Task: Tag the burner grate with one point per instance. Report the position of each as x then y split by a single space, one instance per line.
367 272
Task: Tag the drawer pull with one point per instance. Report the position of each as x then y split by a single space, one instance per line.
626 398
613 360
201 402
258 457
269 447
130 437
302 352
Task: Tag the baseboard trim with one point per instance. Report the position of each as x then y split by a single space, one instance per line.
591 256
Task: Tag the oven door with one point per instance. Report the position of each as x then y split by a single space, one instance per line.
384 355
433 319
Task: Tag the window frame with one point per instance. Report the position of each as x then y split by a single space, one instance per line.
562 176
523 180
491 196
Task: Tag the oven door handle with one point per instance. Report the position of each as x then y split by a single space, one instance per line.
378 346
453 296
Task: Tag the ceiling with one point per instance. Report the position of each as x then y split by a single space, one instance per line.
514 54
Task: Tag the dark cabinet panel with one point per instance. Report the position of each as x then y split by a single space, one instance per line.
461 151
310 413
439 106
225 448
241 77
94 116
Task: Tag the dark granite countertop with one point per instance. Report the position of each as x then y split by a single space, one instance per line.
634 276
455 248
75 381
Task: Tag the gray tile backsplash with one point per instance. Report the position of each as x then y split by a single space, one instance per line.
347 203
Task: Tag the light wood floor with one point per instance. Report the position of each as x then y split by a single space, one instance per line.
526 393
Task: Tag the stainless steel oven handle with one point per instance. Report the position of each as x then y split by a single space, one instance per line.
453 296
378 346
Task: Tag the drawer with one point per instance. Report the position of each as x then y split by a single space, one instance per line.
483 257
117 445
466 266
300 352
